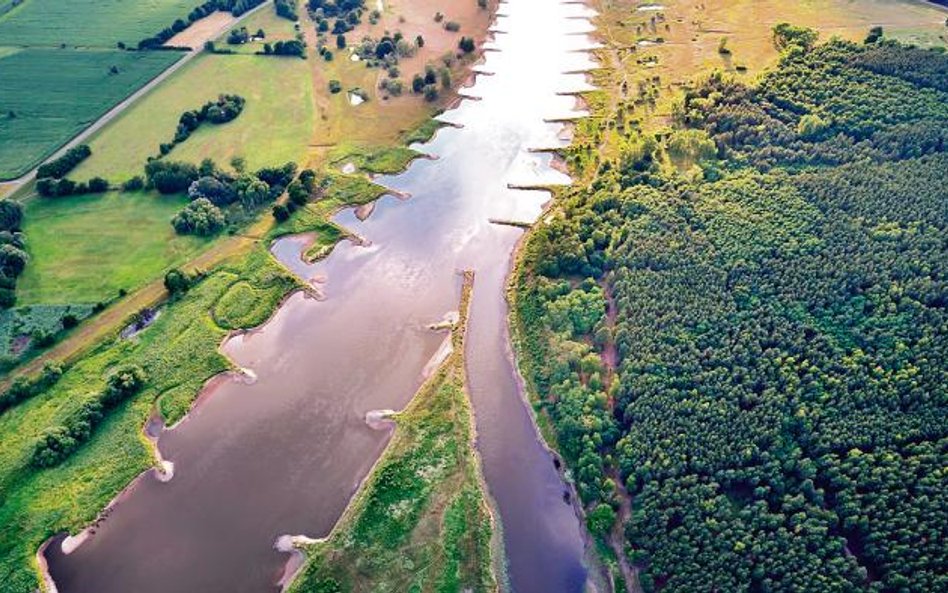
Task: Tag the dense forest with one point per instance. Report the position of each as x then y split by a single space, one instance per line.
753 348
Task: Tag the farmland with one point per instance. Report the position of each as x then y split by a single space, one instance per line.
89 23
56 93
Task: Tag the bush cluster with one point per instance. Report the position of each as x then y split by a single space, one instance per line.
24 387
59 442
58 168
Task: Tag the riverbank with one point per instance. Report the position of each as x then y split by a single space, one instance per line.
179 352
196 324
420 521
650 55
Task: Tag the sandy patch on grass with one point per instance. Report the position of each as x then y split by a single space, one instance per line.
203 30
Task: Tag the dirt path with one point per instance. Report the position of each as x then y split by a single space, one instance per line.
12 185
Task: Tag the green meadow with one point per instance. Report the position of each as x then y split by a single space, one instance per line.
83 249
89 23
49 95
273 128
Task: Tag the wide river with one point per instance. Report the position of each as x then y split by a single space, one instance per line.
284 454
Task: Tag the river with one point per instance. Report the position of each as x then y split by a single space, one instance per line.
284 454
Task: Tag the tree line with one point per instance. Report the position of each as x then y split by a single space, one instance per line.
59 442
225 109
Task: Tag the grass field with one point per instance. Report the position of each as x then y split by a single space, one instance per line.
421 522
83 249
89 23
54 94
274 127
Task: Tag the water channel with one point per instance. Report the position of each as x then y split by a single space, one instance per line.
284 454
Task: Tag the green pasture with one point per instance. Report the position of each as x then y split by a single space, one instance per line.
273 128
86 248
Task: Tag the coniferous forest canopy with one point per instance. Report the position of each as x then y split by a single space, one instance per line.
756 351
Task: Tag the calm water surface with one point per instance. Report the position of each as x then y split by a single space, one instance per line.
284 454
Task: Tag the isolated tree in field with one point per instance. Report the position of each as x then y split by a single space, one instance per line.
466 44
200 217
177 282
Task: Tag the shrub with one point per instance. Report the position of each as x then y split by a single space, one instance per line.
136 183
12 260
200 217
170 177
281 213
58 168
97 185
11 215
278 176
467 45
122 384
219 193
177 282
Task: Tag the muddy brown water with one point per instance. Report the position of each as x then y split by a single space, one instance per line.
284 454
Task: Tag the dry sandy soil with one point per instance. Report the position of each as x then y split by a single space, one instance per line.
203 30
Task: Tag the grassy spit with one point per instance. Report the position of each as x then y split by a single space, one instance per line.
420 521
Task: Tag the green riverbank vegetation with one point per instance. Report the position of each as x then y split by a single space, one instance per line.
420 522
177 354
736 326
